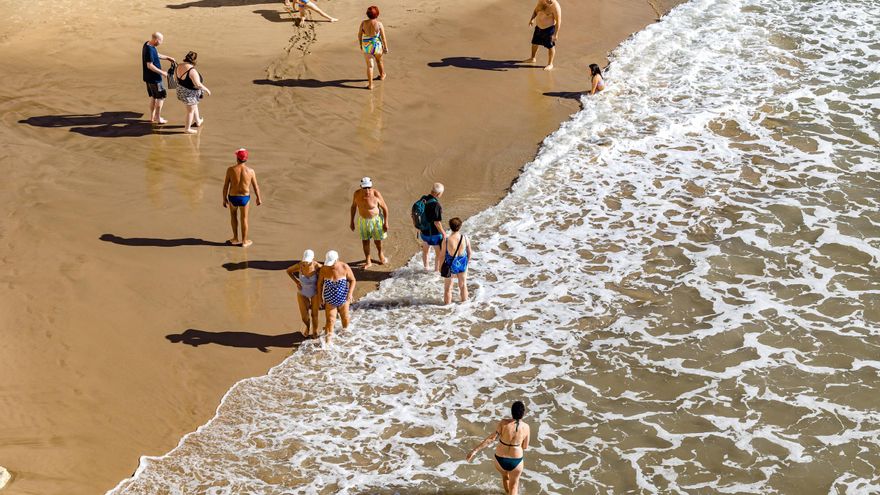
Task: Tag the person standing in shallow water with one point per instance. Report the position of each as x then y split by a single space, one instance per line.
152 67
431 232
190 89
237 196
371 39
456 249
305 275
336 284
547 19
513 439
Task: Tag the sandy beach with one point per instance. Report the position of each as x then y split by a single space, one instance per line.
112 240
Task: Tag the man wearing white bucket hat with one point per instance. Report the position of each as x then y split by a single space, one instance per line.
372 222
305 275
335 286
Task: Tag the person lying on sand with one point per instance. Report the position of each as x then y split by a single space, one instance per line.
302 5
237 196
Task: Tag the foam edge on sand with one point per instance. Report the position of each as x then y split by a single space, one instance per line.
5 477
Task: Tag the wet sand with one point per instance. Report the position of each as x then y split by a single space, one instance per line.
111 243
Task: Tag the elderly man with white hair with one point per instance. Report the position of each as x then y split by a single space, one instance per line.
427 216
152 67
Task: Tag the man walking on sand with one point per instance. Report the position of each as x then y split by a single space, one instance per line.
150 61
427 217
237 196
547 19
372 222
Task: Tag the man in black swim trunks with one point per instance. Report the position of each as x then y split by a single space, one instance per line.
547 19
153 73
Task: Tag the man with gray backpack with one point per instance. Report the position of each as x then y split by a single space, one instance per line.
427 215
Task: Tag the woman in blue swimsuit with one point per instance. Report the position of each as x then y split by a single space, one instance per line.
305 275
456 249
336 284
513 439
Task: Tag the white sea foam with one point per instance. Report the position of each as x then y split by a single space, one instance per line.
684 287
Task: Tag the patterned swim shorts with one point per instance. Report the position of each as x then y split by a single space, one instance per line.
370 229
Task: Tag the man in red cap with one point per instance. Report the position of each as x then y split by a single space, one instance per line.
237 196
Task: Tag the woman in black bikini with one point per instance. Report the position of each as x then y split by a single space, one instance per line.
513 439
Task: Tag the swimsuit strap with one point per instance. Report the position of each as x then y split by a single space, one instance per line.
453 255
505 443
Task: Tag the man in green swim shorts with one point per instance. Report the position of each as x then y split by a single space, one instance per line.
372 222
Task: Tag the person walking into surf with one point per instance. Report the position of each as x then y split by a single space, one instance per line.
305 275
513 439
336 284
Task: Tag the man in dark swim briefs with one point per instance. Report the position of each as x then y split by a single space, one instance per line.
547 19
237 196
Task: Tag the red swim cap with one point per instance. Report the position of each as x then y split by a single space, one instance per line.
241 154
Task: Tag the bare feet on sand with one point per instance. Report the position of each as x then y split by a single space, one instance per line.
549 67
234 242
333 19
246 243
382 260
199 122
530 60
368 264
190 131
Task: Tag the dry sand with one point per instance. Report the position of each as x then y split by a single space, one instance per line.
109 239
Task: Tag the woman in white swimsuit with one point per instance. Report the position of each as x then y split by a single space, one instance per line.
305 275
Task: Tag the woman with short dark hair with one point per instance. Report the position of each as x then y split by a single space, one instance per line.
513 439
455 261
190 89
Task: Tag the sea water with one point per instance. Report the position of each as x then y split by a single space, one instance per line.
683 287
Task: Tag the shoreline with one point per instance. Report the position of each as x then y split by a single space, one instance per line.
166 390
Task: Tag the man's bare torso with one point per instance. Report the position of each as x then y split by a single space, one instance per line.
239 180
367 201
546 14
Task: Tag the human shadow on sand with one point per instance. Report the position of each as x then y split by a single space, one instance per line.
250 340
260 265
567 95
313 83
104 124
360 274
482 64
154 242
219 3
275 15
